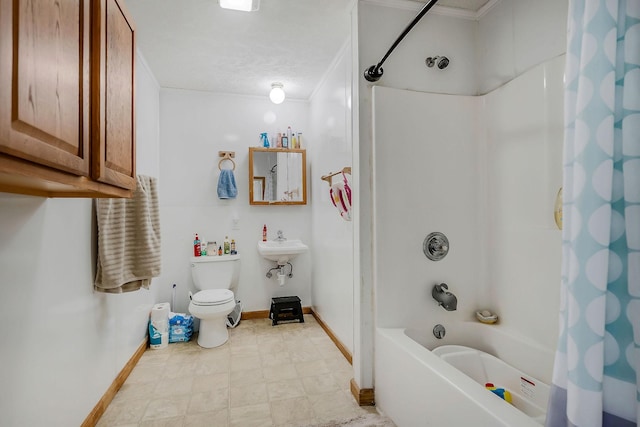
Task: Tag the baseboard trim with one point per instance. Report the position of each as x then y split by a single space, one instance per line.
264 314
364 396
249 315
344 350
98 410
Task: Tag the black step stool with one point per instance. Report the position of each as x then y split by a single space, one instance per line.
285 309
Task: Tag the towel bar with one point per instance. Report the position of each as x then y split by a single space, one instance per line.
226 155
346 169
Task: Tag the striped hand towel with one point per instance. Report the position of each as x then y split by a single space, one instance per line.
129 239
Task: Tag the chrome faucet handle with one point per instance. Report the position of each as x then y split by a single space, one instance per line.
280 236
435 246
440 287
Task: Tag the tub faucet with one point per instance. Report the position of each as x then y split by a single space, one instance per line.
446 299
280 237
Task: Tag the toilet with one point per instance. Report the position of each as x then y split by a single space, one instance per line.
216 279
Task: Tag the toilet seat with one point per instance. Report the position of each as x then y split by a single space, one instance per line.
212 297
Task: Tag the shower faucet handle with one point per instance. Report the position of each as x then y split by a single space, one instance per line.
435 246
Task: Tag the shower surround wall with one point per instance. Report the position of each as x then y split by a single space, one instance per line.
485 171
510 38
431 184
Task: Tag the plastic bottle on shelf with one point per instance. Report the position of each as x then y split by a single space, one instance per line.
196 246
299 140
220 250
294 141
203 247
233 247
227 245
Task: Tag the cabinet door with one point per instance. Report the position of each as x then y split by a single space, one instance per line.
44 82
113 121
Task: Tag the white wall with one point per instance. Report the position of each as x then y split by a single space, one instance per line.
379 26
332 236
63 343
516 35
194 127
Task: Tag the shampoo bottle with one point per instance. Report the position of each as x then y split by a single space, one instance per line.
227 245
233 247
196 246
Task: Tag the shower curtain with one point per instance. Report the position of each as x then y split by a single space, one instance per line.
597 367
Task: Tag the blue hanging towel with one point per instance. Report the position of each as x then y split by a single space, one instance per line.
227 185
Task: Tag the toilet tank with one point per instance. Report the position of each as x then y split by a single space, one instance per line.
215 272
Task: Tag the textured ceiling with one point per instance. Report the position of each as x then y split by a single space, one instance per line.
194 44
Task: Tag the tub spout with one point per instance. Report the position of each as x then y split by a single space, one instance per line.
446 299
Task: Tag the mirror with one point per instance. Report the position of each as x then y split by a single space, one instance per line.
277 176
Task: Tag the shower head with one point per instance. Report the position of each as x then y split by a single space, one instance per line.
441 61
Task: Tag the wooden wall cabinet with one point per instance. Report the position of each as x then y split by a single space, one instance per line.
67 125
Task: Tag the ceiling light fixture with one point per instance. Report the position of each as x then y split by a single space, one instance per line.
277 94
243 5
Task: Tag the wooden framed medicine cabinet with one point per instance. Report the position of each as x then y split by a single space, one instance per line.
277 176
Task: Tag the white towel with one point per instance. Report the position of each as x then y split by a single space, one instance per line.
129 239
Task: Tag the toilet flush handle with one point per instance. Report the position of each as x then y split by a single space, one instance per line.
190 296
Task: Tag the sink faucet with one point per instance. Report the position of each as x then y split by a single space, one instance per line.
280 237
446 299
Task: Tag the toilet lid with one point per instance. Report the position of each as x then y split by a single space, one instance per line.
212 297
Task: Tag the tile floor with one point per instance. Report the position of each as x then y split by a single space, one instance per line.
286 375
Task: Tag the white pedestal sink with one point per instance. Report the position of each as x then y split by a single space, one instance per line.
281 251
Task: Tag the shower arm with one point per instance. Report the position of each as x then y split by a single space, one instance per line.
374 72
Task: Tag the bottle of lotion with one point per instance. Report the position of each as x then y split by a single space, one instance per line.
227 245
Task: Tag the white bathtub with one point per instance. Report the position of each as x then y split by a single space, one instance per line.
416 387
